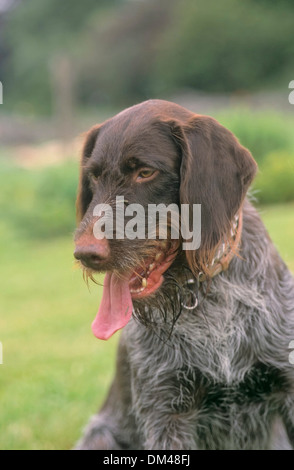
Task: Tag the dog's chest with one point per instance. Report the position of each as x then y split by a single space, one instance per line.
209 373
215 351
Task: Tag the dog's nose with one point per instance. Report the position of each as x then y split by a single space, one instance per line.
93 255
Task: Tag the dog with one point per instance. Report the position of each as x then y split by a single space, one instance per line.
203 357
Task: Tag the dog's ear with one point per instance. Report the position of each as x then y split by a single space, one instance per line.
216 171
85 195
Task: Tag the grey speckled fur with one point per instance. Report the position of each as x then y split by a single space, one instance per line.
223 379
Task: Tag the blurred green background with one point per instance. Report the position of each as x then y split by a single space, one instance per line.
65 66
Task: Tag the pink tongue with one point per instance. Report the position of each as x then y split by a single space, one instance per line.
116 307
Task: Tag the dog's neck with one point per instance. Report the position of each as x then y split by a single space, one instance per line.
181 292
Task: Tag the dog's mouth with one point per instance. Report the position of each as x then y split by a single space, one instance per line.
116 306
146 279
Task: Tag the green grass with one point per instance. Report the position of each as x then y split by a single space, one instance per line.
279 220
55 373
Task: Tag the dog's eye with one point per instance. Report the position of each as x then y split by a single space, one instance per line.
146 174
94 177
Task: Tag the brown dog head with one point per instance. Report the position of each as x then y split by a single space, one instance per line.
158 152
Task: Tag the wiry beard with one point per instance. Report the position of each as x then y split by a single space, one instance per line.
162 310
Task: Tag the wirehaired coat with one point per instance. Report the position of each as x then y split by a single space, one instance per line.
203 358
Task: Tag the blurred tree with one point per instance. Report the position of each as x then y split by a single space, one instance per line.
3 50
226 46
36 32
63 97
122 51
